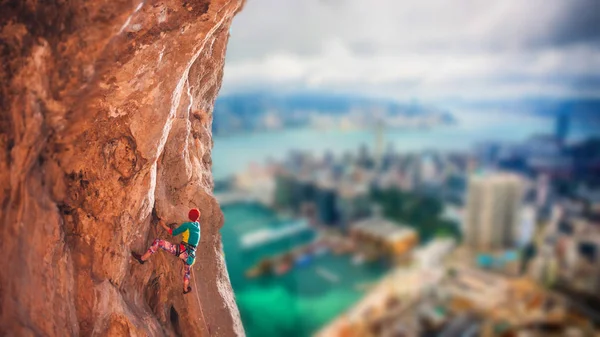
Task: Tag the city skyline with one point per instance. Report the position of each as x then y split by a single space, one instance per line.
516 251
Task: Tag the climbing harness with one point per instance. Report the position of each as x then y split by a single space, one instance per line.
191 249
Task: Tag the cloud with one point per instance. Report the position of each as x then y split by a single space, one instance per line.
579 23
428 49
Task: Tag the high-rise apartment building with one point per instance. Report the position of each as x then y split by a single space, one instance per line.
493 210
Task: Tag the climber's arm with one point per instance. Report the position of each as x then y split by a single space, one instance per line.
179 229
164 225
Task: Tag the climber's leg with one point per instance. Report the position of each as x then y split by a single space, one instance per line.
162 244
187 270
157 243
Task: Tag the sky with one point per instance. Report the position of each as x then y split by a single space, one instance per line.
432 50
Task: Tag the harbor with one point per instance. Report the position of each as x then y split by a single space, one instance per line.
299 256
326 277
372 240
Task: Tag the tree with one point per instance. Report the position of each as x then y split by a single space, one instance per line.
421 213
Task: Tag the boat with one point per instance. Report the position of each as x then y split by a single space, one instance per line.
329 276
303 260
320 251
263 267
253 272
282 269
266 235
358 259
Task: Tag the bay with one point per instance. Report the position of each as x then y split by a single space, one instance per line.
232 154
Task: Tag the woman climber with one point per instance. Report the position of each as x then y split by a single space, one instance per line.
186 250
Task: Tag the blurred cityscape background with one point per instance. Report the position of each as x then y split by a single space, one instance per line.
423 169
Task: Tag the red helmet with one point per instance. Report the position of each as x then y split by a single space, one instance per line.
194 214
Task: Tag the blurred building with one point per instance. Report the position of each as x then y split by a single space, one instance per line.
328 158
389 158
586 265
283 197
432 255
391 178
569 251
544 268
577 249
413 176
591 199
454 214
392 238
544 196
326 203
455 188
542 190
586 158
493 210
562 128
305 190
428 170
487 153
365 158
353 202
526 225
545 154
257 183
379 141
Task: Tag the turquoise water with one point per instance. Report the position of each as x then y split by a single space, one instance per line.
297 303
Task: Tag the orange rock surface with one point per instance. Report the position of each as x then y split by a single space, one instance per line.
105 120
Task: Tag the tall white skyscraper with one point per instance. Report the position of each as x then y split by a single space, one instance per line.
542 186
526 226
493 210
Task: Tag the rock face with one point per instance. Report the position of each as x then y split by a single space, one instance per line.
106 112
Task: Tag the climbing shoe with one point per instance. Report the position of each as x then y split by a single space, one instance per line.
188 290
138 257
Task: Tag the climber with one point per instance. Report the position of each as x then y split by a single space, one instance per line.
186 250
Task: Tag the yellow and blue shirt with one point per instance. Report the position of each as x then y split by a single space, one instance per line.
190 232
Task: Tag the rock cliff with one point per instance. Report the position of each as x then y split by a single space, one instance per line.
106 112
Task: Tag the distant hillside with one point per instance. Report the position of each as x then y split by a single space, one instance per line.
258 111
577 108
583 114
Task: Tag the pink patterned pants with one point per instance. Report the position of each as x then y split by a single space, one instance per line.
172 248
